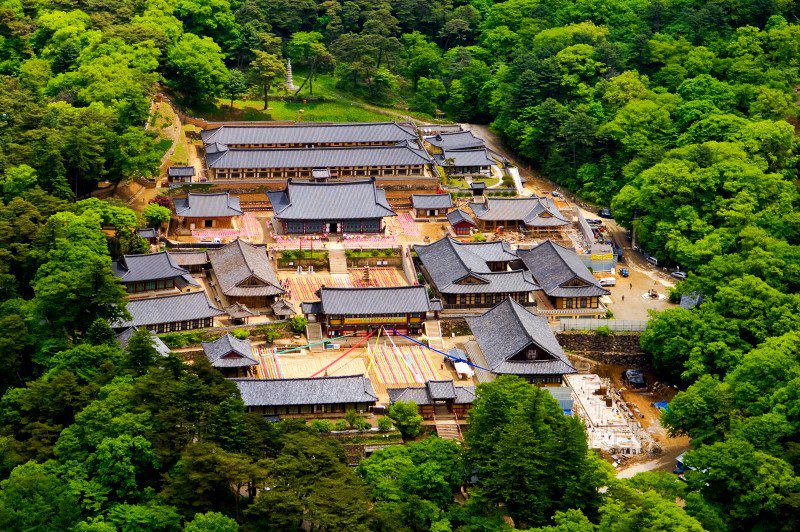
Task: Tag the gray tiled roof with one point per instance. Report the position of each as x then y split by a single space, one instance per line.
239 261
189 258
376 300
533 212
283 307
441 390
146 267
147 232
456 216
691 300
216 205
474 157
308 391
455 141
229 352
448 261
311 307
168 309
506 329
553 266
180 171
431 201
310 133
238 310
432 391
125 336
345 200
403 155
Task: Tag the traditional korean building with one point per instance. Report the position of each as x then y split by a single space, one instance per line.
401 162
148 233
461 222
345 310
534 215
514 341
180 174
567 284
458 140
465 162
436 398
284 309
310 135
245 274
151 272
474 275
217 210
124 337
231 356
431 206
307 397
338 207
194 261
179 312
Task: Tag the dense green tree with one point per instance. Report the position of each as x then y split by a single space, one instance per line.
196 68
33 497
266 70
528 455
406 418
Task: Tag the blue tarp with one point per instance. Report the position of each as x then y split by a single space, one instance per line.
663 405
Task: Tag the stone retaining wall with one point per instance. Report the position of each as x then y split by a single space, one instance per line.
617 348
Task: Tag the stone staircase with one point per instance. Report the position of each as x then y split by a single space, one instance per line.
337 261
448 430
433 331
314 335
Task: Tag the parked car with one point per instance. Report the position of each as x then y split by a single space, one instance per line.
679 275
604 213
594 221
608 281
634 378
555 194
624 272
651 259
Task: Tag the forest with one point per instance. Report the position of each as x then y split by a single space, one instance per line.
678 114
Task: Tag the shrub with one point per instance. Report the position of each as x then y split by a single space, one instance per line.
322 426
604 331
362 424
270 333
384 424
289 254
240 334
479 237
351 418
406 418
340 425
376 253
298 324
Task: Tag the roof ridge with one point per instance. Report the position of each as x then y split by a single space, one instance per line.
328 377
349 288
562 259
515 310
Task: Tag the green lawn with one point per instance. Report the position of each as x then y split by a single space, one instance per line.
335 106
280 110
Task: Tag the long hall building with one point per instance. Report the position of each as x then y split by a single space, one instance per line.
309 135
382 162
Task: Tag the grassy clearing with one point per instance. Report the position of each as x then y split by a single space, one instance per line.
181 155
327 104
324 111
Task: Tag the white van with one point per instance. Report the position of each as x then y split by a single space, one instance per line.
608 281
